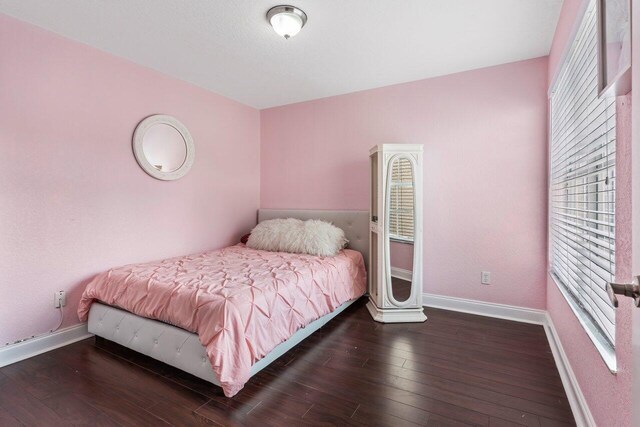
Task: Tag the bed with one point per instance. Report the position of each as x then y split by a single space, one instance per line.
224 315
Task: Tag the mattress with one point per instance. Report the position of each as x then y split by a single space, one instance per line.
242 303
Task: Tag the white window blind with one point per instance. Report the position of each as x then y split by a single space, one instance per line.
582 182
401 200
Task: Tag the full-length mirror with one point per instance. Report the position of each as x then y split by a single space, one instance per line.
400 216
163 147
396 233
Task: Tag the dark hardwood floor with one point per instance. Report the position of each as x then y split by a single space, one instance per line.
455 369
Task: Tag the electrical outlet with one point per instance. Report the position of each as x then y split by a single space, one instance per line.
485 277
59 299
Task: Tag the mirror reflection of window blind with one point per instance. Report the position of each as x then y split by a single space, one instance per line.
401 200
582 182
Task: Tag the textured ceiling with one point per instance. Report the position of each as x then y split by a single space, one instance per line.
227 46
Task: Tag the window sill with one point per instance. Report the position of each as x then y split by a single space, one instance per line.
607 353
401 240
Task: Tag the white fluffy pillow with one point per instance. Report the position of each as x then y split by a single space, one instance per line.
313 237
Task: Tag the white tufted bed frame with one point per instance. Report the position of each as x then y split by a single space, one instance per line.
182 349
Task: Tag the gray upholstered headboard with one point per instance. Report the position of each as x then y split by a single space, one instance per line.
354 223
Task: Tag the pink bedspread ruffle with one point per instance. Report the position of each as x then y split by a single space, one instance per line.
241 302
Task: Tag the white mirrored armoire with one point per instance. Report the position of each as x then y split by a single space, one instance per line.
395 264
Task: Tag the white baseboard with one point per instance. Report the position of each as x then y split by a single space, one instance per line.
16 352
500 311
578 403
401 273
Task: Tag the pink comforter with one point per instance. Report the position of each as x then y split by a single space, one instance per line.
241 302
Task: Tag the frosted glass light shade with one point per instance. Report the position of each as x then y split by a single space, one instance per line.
286 21
286 24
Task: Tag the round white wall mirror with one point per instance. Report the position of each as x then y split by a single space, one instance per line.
163 147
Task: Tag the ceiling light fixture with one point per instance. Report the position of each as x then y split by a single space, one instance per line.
287 21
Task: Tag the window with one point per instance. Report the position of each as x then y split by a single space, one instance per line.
401 200
582 187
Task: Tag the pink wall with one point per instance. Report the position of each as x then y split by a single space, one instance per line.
73 200
564 31
607 395
401 255
484 133
635 190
